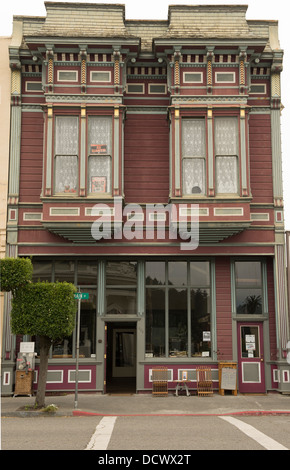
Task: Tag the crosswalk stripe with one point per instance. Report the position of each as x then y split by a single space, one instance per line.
258 436
102 435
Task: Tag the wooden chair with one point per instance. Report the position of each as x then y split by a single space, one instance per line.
204 381
160 381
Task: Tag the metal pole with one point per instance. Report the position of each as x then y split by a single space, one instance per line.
77 353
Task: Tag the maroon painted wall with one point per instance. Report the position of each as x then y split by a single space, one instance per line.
224 309
31 157
146 158
260 158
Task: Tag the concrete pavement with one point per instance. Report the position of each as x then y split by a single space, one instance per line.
89 404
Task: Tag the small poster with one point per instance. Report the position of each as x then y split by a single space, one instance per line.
98 149
99 184
206 335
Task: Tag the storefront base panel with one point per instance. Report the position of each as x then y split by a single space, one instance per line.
176 371
62 378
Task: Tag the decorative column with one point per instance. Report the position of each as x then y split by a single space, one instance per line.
209 59
243 140
116 164
83 55
83 156
177 189
177 57
242 68
211 185
49 151
117 58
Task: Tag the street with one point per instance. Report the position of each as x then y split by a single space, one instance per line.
176 435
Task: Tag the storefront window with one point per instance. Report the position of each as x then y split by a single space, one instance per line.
66 348
180 312
87 273
178 338
42 271
121 288
248 279
155 322
64 271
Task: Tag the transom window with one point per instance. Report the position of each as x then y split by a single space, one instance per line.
178 309
248 283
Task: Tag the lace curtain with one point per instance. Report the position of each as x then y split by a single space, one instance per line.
226 150
193 145
66 151
193 176
226 136
99 174
100 133
66 174
100 144
193 138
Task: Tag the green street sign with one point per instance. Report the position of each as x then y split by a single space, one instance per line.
81 295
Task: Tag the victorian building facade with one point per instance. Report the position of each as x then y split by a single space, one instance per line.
145 167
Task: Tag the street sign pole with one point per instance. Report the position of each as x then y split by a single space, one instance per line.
77 352
79 296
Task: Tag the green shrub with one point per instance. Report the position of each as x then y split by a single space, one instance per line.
44 309
15 273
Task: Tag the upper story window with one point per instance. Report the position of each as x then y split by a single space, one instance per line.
193 156
100 152
66 155
226 155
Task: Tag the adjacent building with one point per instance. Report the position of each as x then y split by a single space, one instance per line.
145 167
4 153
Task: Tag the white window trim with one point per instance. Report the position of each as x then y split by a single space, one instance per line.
225 81
33 91
259 92
135 92
100 81
193 81
67 80
157 92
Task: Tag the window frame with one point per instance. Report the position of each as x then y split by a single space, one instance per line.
71 155
262 287
192 157
189 287
235 156
108 155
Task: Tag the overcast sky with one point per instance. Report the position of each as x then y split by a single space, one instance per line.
158 9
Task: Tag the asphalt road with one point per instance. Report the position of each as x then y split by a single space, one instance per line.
177 436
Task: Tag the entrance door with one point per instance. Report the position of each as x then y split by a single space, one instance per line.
124 353
251 358
120 366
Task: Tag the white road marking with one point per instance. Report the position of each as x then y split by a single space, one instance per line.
258 436
102 435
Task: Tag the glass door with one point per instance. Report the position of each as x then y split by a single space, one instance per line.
251 358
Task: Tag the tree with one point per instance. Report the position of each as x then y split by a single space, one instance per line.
42 309
15 273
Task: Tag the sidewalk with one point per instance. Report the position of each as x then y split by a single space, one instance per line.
145 404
